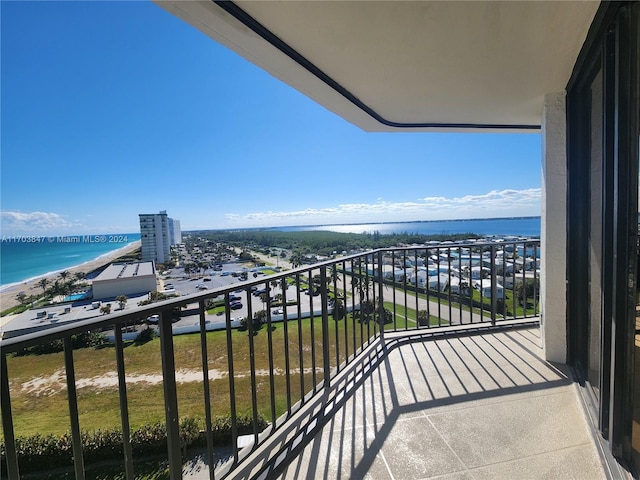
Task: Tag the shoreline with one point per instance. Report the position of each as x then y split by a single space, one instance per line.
29 286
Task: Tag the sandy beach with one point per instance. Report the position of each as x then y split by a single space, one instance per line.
8 296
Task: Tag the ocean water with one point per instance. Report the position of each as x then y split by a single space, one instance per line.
26 257
22 258
521 226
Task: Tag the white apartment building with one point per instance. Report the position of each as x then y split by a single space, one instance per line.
157 233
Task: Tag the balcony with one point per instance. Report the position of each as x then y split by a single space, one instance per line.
413 362
480 404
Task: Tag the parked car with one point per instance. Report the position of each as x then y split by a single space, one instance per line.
236 305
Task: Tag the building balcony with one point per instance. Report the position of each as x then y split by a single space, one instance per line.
473 405
395 363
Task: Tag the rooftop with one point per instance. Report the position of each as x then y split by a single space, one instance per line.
126 270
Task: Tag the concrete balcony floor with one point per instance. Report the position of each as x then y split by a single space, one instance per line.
473 406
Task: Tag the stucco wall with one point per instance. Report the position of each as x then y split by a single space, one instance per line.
554 228
123 286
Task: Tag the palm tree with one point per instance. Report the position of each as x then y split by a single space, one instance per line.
333 274
122 301
58 288
64 274
263 298
361 284
79 276
296 259
43 284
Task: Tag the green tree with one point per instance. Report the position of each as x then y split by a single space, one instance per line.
260 317
385 317
42 283
245 256
122 301
527 290
263 298
361 282
338 310
105 309
189 268
296 259
423 318
22 298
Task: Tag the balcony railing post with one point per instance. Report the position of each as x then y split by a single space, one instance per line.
7 421
494 285
206 387
78 459
535 279
381 314
325 327
124 404
170 396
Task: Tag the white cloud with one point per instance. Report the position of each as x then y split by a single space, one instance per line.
495 199
34 223
496 203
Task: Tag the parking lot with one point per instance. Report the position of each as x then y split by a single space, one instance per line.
240 299
243 303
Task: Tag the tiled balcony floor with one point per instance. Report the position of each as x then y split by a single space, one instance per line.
473 407
481 405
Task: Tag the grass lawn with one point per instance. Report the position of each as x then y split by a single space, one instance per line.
38 392
486 303
406 318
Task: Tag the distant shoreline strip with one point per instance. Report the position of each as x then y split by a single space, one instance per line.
73 267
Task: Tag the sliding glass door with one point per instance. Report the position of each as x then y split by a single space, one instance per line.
602 223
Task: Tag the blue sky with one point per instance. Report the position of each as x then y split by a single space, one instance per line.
111 109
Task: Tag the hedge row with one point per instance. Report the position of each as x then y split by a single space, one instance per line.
39 452
81 340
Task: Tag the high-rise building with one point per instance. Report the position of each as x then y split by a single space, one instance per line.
175 234
157 233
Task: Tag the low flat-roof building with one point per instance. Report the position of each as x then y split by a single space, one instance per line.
125 279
